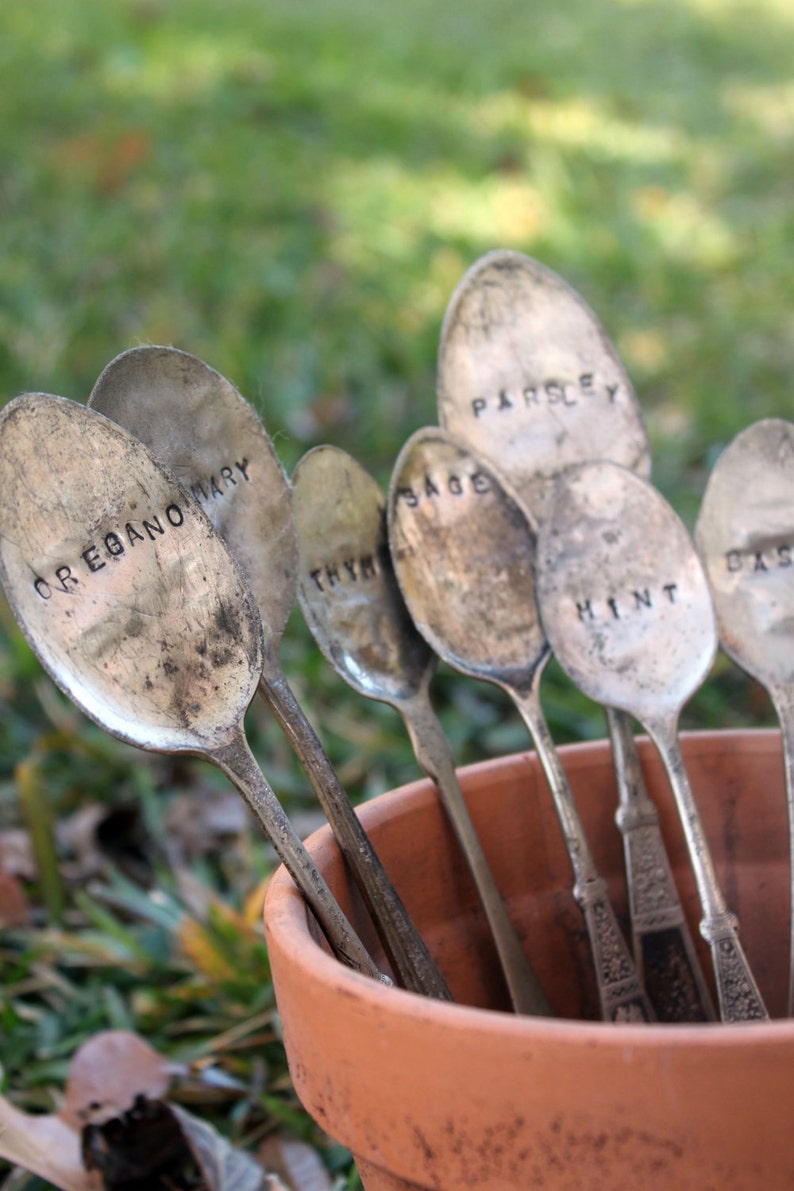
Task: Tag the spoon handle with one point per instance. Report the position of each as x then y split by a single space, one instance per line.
664 950
737 991
411 960
236 760
434 756
620 990
783 699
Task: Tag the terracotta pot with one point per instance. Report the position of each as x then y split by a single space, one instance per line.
430 1095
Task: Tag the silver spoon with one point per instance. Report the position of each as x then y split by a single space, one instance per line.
521 351
134 605
627 610
745 534
352 604
463 552
528 377
209 436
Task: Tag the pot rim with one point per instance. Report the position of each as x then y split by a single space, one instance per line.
286 920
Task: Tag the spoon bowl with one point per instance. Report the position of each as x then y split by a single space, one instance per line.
525 366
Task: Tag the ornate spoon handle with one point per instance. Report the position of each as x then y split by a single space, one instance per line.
620 989
664 950
737 991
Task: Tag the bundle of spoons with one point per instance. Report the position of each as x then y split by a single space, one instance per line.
350 600
464 554
528 377
211 438
134 605
627 610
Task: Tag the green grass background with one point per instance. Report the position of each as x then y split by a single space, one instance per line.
292 191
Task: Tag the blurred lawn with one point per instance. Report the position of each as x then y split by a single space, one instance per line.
292 191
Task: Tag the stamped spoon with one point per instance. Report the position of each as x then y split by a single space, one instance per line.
745 534
211 438
136 608
463 552
352 604
528 377
626 606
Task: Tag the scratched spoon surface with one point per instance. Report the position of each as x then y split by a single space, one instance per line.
525 364
626 606
745 534
133 603
528 376
352 604
464 553
211 438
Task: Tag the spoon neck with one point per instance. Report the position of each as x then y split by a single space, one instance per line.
405 948
664 733
527 700
783 699
782 695
428 741
235 759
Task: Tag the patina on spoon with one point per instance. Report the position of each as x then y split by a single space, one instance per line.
202 428
527 375
745 534
626 606
134 605
464 553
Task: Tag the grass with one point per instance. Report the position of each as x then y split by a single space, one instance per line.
292 192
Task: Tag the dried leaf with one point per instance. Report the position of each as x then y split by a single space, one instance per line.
16 853
224 1168
155 1146
108 1072
204 821
295 1162
143 1149
14 908
194 894
76 835
115 1133
46 1146
95 834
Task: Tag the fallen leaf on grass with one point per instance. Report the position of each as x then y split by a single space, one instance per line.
155 1146
16 853
14 908
108 1072
295 1161
116 1133
46 1146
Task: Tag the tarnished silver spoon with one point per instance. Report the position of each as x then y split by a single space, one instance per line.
525 366
745 534
209 436
463 552
352 604
528 377
626 606
134 605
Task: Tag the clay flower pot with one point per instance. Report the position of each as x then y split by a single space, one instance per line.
431 1095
